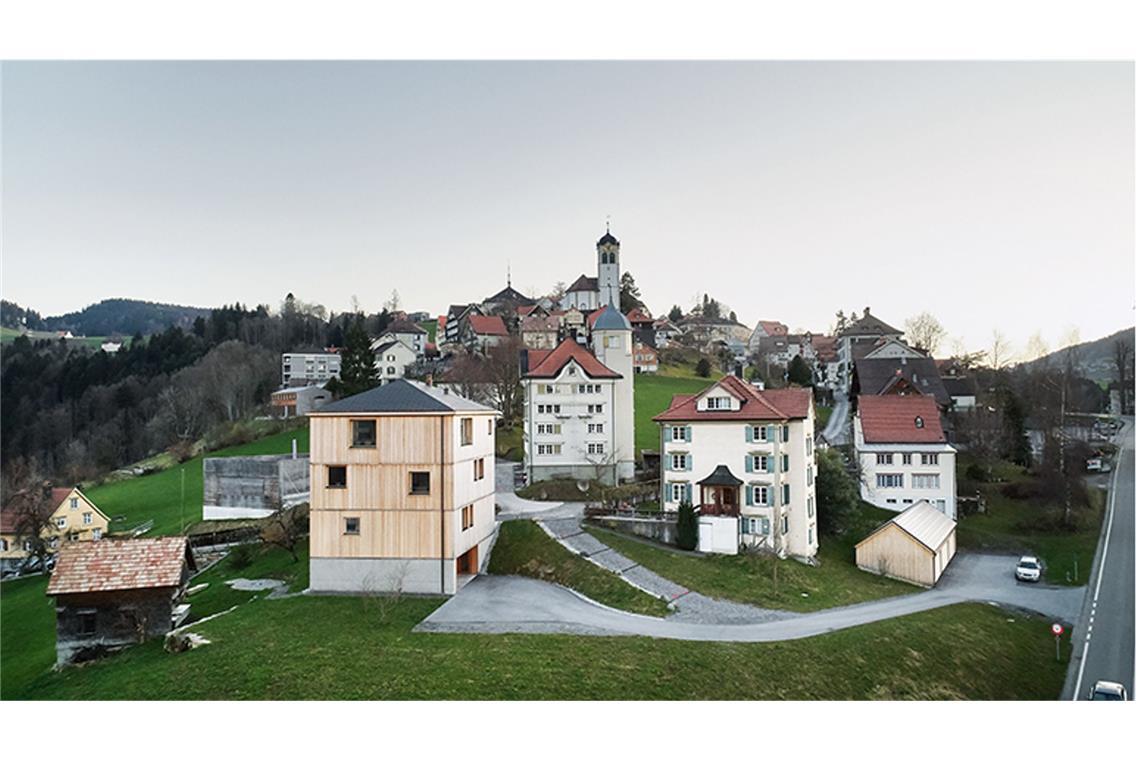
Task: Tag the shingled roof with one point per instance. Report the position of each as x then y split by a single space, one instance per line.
544 364
879 376
120 564
401 396
755 404
493 325
583 283
900 419
868 324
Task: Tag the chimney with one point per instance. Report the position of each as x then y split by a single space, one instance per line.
866 311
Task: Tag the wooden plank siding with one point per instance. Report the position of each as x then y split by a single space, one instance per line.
895 553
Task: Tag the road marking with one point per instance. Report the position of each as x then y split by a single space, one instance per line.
1100 571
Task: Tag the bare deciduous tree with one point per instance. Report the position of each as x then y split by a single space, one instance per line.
1036 348
286 529
999 350
28 499
925 331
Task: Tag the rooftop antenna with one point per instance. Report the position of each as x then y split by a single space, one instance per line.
508 273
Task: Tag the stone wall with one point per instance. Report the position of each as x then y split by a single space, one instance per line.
662 530
256 486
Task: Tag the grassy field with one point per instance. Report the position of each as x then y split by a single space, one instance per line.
9 334
822 415
523 548
1007 524
27 636
508 443
158 496
651 396
348 648
749 578
430 326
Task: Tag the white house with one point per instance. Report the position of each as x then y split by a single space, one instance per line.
857 338
765 328
903 453
392 358
578 419
409 333
736 451
309 369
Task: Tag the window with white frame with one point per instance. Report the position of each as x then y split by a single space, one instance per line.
760 495
713 403
924 481
678 461
811 506
86 518
75 502
884 458
889 480
809 445
548 449
61 522
759 463
784 463
760 433
677 433
596 448
677 491
96 534
754 526
941 504
549 408
595 427
929 458
594 409
548 428
907 458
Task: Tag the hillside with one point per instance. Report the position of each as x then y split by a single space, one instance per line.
1095 359
124 316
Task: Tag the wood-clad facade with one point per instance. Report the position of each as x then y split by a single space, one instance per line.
404 509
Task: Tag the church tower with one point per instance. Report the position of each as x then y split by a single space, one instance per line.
613 346
609 270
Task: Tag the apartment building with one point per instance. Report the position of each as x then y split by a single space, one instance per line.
309 369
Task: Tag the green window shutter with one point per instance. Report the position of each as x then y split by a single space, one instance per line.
688 433
668 462
787 494
688 462
771 433
748 496
747 463
784 463
689 492
748 434
764 525
768 464
664 492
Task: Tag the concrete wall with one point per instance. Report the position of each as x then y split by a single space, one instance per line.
663 531
237 487
376 575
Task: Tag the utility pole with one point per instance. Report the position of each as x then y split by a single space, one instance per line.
182 501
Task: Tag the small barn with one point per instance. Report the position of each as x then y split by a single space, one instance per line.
914 546
113 593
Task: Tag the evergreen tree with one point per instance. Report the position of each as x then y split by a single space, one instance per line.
703 367
799 372
675 314
687 527
630 295
358 371
836 494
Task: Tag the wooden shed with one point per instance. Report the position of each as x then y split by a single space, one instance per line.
914 546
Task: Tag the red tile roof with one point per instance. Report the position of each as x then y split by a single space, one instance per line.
772 327
892 419
782 404
552 363
539 324
118 564
592 317
9 517
638 315
487 325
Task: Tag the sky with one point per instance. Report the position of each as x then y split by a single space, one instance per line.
992 195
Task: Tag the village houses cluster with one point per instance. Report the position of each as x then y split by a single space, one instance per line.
400 480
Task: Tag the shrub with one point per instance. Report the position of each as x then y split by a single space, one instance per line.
703 367
976 472
687 528
241 556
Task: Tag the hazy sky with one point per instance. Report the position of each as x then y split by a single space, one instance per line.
992 195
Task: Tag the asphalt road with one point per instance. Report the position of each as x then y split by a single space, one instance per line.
1104 644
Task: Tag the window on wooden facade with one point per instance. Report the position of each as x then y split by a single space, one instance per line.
337 476
364 434
96 534
75 502
87 621
466 431
352 526
86 518
421 482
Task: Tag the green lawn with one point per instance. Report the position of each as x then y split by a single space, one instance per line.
345 648
749 578
430 325
523 548
508 443
822 415
157 496
27 632
1007 524
651 396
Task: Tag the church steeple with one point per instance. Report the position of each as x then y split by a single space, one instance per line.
609 269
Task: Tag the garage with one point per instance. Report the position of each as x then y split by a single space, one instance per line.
914 546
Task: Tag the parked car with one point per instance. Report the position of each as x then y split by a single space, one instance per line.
1108 691
1029 569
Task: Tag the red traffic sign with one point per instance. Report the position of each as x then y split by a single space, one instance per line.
1058 629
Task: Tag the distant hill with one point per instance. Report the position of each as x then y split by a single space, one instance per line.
1095 359
124 316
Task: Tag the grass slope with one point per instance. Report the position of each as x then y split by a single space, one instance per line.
27 635
158 496
749 578
651 396
345 648
523 548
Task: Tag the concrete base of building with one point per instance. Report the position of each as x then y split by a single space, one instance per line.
364 575
624 470
210 512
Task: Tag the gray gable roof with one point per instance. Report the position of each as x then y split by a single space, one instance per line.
874 376
407 396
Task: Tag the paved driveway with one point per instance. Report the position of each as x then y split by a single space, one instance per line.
498 604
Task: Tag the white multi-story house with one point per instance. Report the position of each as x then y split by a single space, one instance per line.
578 418
409 333
393 357
309 369
735 451
903 453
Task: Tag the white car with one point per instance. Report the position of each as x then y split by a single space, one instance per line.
1029 569
1108 691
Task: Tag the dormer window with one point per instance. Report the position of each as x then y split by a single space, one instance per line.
713 403
918 422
